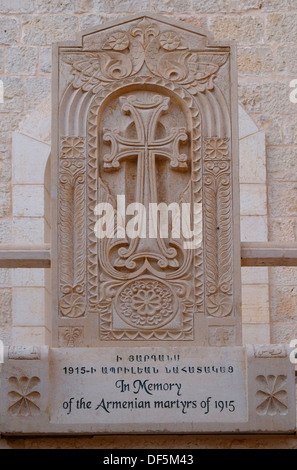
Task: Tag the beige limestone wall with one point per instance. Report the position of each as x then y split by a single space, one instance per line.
266 34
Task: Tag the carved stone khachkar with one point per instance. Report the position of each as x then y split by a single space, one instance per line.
146 321
145 112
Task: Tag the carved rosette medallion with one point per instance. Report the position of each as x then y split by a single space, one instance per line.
146 303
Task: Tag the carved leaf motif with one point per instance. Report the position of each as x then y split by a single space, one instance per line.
218 228
72 214
23 396
272 395
71 335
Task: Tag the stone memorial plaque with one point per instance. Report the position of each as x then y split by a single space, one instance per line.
146 291
147 390
179 385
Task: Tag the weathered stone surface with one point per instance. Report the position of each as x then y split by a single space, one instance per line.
90 21
21 60
45 60
28 201
5 164
286 59
5 277
246 125
26 277
200 21
85 6
13 95
283 229
255 60
271 98
255 299
172 5
281 28
28 306
9 121
276 5
254 275
253 228
253 199
1 60
36 89
283 333
284 304
249 97
252 159
38 123
5 310
282 163
27 230
282 199
54 6
37 335
28 153
16 6
283 275
272 125
258 333
5 200
243 29
9 30
5 231
290 129
46 29
218 6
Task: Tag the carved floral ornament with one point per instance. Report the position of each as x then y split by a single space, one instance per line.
166 55
24 396
272 395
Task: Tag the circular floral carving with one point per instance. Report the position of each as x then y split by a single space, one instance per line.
219 304
146 303
169 40
72 147
118 41
72 305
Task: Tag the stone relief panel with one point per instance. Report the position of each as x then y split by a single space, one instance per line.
143 119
